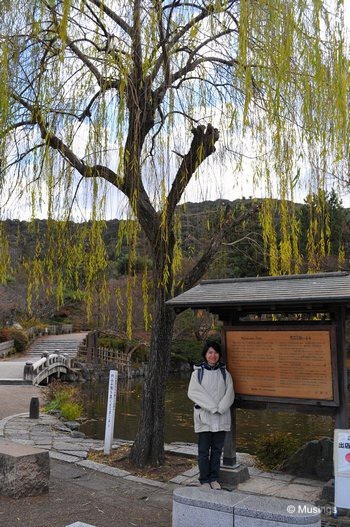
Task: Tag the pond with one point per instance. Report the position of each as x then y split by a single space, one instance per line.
251 424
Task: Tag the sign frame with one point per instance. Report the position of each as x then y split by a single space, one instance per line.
246 400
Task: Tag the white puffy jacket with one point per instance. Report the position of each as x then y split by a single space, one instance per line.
213 397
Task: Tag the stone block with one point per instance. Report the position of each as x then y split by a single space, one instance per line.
232 476
314 459
269 511
189 516
24 470
195 506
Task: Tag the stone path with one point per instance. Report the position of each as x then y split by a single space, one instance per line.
66 343
15 399
73 475
66 445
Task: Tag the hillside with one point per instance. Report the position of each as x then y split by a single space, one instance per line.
241 255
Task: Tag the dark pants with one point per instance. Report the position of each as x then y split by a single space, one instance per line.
210 445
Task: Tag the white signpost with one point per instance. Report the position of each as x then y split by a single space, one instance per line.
110 414
342 468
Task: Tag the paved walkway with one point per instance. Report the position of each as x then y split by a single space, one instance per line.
16 398
86 491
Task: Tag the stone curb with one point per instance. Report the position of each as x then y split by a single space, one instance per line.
99 467
63 455
4 421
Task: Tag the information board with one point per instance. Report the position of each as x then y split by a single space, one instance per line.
341 456
290 363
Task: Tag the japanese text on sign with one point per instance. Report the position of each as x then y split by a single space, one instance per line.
288 363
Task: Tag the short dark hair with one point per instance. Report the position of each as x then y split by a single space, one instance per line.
211 344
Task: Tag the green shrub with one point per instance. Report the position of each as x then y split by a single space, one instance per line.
273 449
21 340
19 337
65 398
71 411
111 342
30 322
187 349
4 335
140 355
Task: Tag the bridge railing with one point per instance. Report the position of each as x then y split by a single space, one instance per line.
32 370
6 348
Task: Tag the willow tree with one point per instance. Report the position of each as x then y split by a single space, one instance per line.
132 95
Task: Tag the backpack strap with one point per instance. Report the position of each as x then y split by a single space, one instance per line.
200 373
223 371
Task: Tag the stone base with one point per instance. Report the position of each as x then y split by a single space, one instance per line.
196 506
230 477
328 491
24 470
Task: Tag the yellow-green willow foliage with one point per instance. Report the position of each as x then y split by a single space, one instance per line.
297 65
5 259
100 94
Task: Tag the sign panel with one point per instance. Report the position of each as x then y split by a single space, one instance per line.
341 456
281 363
110 413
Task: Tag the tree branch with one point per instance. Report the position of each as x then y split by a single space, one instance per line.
112 15
201 266
104 82
202 146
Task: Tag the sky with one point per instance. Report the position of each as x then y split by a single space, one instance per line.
218 180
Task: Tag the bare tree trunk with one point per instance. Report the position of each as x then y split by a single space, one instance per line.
148 448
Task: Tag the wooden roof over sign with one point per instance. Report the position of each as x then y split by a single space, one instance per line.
315 289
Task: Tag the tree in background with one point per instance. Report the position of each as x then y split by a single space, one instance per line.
324 226
131 95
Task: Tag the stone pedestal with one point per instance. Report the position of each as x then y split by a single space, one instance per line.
230 477
24 470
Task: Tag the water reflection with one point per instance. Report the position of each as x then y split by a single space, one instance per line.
178 419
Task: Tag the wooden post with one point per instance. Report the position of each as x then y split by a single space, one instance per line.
229 459
342 418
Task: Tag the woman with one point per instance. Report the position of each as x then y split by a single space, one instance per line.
211 389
